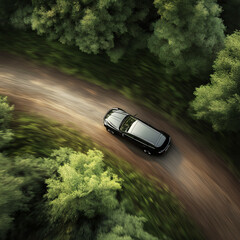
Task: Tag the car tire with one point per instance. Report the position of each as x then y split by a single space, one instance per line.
147 152
111 131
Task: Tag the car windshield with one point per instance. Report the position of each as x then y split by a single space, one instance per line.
127 123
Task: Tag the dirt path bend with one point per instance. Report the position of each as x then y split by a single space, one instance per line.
207 189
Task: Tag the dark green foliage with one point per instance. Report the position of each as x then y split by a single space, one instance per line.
8 7
32 170
34 135
22 180
22 17
230 14
219 101
5 117
93 26
11 199
5 113
187 36
123 226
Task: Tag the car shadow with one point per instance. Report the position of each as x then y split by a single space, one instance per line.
131 146
170 160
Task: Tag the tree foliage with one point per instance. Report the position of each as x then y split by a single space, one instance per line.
82 200
8 7
21 190
5 113
11 199
219 101
94 26
21 18
188 35
5 117
83 187
123 226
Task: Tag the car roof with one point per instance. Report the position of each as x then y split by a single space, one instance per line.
147 133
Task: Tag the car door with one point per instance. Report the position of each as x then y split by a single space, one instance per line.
135 140
143 144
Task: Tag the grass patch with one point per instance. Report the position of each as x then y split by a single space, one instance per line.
138 75
39 136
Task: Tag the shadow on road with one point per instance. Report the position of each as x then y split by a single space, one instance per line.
170 161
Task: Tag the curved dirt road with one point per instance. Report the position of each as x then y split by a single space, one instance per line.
210 194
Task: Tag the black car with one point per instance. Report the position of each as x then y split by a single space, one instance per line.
151 140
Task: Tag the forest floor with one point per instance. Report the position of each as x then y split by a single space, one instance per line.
201 181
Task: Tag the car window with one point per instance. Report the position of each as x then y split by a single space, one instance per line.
109 113
140 140
127 123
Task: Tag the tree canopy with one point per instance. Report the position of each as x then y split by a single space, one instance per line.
123 226
188 35
11 199
80 202
83 188
21 182
94 26
82 196
184 34
219 101
5 117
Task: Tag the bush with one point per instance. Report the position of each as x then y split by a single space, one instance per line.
5 118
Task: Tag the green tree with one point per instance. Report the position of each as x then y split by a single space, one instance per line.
188 35
123 226
22 188
21 18
94 26
83 188
5 117
219 101
11 200
82 200
8 7
5 113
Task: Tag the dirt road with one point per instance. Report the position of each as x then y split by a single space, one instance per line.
209 192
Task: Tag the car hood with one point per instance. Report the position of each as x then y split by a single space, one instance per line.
115 117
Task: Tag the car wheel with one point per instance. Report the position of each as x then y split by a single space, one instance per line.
111 131
147 152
